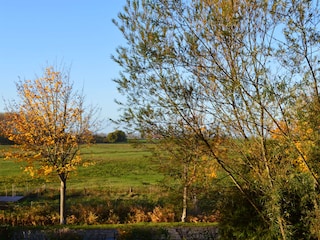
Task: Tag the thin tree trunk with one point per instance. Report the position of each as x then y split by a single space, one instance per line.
184 204
185 194
63 187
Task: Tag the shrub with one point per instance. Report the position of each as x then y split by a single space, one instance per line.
239 220
5 232
116 137
162 214
137 215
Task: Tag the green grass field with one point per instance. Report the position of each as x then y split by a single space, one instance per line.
113 167
121 185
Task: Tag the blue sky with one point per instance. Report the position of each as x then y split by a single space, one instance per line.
77 32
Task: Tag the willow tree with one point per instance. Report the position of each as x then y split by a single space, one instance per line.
48 124
244 65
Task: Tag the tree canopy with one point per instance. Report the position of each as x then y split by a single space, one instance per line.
116 137
48 124
243 71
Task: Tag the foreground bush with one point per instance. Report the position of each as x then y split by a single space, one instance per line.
94 209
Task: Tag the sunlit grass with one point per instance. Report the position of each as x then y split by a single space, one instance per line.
112 166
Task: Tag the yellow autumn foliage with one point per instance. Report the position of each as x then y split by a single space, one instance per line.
299 139
47 124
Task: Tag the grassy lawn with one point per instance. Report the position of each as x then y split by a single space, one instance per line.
112 167
116 166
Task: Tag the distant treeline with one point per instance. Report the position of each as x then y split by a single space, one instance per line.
113 137
97 139
117 136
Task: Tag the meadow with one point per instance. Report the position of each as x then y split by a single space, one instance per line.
121 184
115 167
121 188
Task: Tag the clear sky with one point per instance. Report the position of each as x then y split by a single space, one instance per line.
78 32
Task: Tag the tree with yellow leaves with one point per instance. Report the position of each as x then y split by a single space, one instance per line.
186 163
48 124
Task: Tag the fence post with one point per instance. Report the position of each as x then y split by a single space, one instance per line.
13 192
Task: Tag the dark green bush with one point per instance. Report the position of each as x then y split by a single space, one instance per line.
6 232
116 137
239 220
